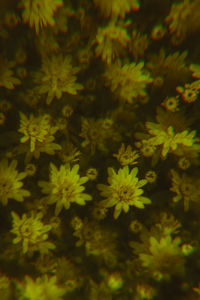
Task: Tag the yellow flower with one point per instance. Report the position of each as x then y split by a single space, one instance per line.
171 104
7 78
128 81
163 255
151 176
65 187
168 139
110 41
169 69
39 13
124 190
186 188
145 292
57 76
34 129
116 8
11 182
43 288
96 133
32 233
126 156
183 19
197 289
138 44
190 91
39 132
195 70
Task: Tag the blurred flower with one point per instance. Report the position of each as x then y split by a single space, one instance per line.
184 163
39 132
186 188
43 288
171 104
135 226
190 91
128 81
11 182
163 255
127 156
197 289
168 139
158 32
39 13
138 44
115 281
32 233
96 133
167 225
30 169
116 8
183 19
97 240
187 249
145 292
92 173
7 78
151 176
195 70
57 76
110 41
2 118
172 68
34 129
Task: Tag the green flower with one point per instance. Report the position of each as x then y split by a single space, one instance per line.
7 78
124 190
110 41
128 81
195 70
116 8
32 233
163 255
39 132
168 139
43 288
57 76
65 187
11 182
39 13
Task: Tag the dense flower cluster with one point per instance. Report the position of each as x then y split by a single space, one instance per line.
99 149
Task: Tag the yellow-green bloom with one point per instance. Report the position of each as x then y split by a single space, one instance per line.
7 76
57 76
164 255
186 188
128 81
168 139
11 182
31 233
124 190
39 13
39 132
116 8
195 70
126 156
110 41
65 187
33 129
43 288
